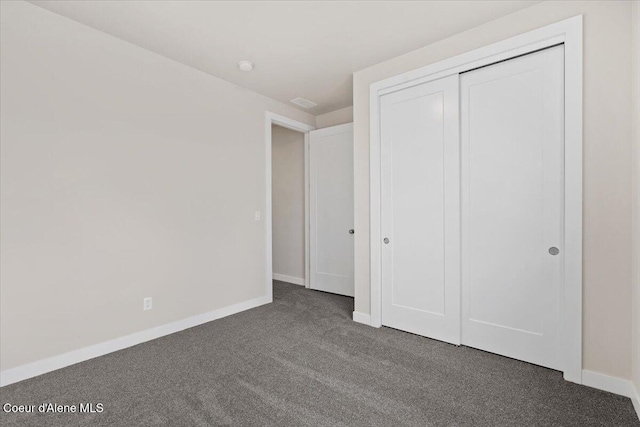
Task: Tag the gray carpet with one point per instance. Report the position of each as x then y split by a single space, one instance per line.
301 361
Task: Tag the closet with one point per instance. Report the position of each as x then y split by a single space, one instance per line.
471 207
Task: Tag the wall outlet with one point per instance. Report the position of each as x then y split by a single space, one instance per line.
147 303
257 215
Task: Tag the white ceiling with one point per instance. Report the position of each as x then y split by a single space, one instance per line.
306 49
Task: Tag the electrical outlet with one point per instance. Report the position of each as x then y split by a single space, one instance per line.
147 303
257 215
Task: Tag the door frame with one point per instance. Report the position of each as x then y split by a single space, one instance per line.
276 119
569 33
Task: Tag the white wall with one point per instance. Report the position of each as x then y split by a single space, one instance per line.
287 178
124 175
636 199
335 118
607 163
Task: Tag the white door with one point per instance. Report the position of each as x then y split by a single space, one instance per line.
512 130
420 210
331 209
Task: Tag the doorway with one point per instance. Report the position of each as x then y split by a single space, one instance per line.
288 205
271 120
309 206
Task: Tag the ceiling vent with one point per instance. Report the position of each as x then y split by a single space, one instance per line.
304 103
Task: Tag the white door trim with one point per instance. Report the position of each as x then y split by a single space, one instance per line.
337 129
275 119
568 32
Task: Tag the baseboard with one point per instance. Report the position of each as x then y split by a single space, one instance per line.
613 385
30 370
635 399
604 382
288 279
362 318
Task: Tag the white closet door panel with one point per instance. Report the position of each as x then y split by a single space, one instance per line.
512 195
420 209
331 206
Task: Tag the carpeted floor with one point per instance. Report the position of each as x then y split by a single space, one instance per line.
302 361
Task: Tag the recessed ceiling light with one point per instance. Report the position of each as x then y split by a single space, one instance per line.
245 65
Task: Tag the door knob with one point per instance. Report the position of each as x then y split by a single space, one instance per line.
386 240
351 231
554 251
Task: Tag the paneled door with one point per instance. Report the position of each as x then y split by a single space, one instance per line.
331 209
420 209
512 135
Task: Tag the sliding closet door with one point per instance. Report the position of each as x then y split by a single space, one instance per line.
512 129
420 210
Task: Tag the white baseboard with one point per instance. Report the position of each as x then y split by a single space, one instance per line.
613 385
635 399
30 370
604 382
362 318
289 279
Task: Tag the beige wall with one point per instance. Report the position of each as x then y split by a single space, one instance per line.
124 175
335 118
636 196
287 172
607 163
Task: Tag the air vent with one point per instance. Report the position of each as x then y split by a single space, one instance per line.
304 103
